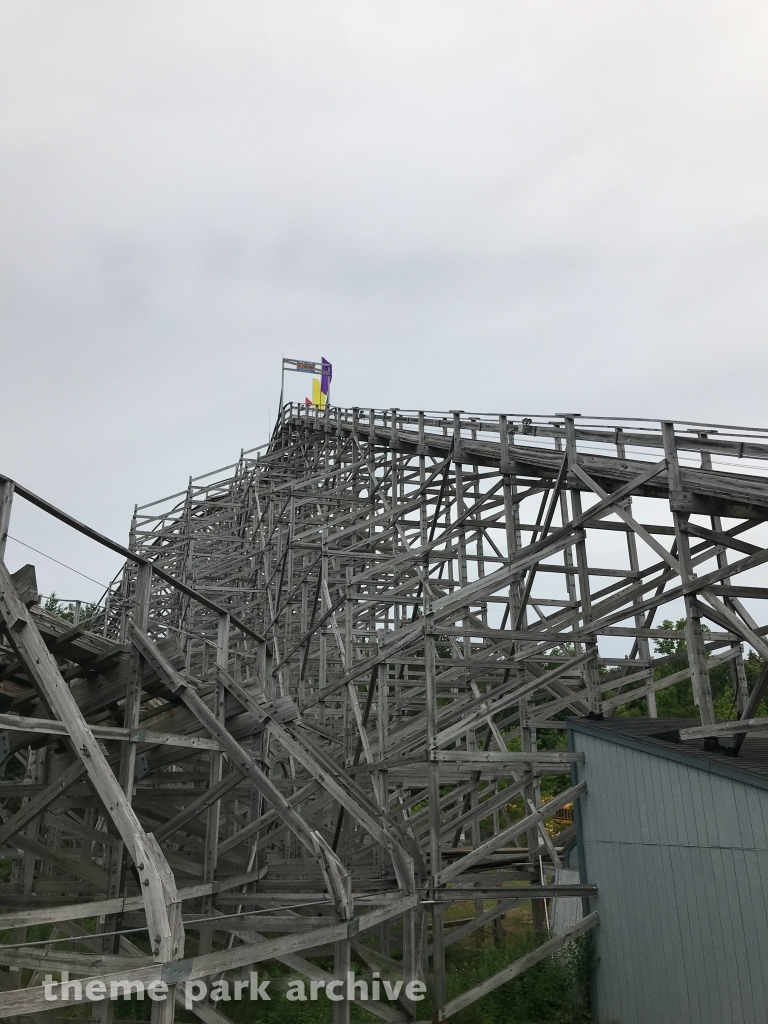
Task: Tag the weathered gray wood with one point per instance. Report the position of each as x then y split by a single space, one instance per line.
741 725
6 502
511 832
43 669
20 723
702 691
334 872
334 541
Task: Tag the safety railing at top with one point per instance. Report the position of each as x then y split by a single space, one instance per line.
728 447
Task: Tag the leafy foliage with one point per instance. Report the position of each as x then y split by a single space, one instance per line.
67 611
676 701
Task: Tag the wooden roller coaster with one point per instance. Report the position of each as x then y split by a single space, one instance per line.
303 720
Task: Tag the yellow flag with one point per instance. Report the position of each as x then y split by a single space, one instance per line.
318 398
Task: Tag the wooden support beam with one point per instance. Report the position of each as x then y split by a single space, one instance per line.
6 501
335 874
432 592
156 877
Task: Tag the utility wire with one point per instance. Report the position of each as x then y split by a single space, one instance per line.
63 564
131 931
196 920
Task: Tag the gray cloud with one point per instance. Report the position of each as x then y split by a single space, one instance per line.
486 206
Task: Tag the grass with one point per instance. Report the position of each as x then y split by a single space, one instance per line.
554 991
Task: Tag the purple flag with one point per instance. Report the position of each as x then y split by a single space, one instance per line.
325 376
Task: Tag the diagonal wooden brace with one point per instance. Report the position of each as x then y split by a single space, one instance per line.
335 874
157 883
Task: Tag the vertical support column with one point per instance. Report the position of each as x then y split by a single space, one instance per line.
471 745
304 626
322 672
736 664
161 1012
533 793
476 495
591 674
411 956
6 500
382 684
36 772
104 1011
342 950
371 453
187 606
133 694
421 452
285 680
433 780
463 580
570 583
643 647
694 637
460 505
354 454
350 719
739 680
394 443
510 518
342 964
125 587
349 615
213 818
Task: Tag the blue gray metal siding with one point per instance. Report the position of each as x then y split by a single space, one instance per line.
680 857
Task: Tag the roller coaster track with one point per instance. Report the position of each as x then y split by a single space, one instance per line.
318 690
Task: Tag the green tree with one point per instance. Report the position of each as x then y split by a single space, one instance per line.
67 611
676 700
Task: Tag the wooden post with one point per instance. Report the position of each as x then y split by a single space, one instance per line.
736 664
6 501
697 656
591 673
532 793
213 818
643 647
104 1011
433 778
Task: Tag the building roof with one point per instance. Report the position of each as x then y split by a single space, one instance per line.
659 736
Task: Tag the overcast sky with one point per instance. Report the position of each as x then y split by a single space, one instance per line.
507 206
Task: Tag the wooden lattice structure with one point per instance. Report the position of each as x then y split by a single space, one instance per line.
300 721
